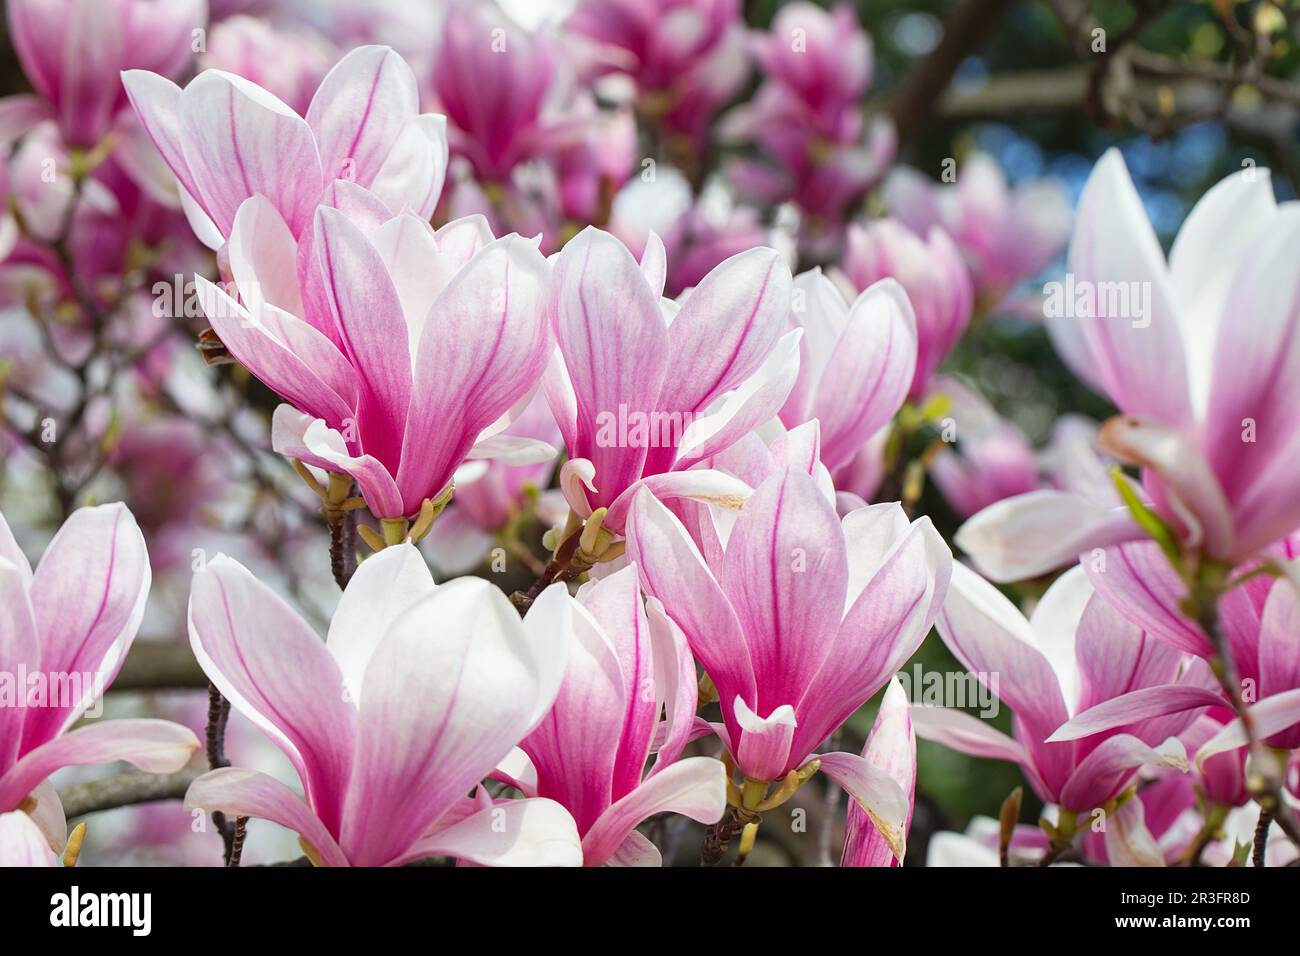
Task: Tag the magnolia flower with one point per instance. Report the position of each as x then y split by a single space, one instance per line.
505 90
1006 235
64 631
22 843
418 692
932 274
801 620
891 747
1207 411
227 139
1094 697
1260 618
73 50
412 347
638 398
628 664
807 117
855 363
686 58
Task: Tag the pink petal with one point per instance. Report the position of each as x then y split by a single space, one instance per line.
247 793
1139 359
695 787
299 366
891 747
876 792
275 671
529 832
19 648
761 745
451 688
372 328
672 570
156 746
1102 774
1138 705
869 372
1031 534
22 843
727 327
483 348
381 590
615 347
785 572
314 443
359 110
239 140
990 636
88 596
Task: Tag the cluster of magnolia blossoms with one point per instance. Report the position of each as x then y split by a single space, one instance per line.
721 447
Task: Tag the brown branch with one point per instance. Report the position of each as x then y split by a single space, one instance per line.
124 790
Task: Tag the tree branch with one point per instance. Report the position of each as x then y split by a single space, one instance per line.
126 789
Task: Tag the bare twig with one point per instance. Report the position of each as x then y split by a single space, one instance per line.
125 789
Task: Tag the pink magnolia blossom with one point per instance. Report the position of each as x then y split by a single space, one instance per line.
1206 411
412 350
891 747
1006 235
801 620
418 692
73 50
227 139
807 117
505 90
64 631
686 58
932 274
1259 618
629 663
640 399
1094 697
855 364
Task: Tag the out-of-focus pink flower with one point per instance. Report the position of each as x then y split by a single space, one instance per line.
1006 235
502 88
855 362
227 139
992 460
288 62
641 400
807 119
1207 412
628 664
1095 698
417 694
413 348
73 51
686 58
932 274
66 629
891 747
802 620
